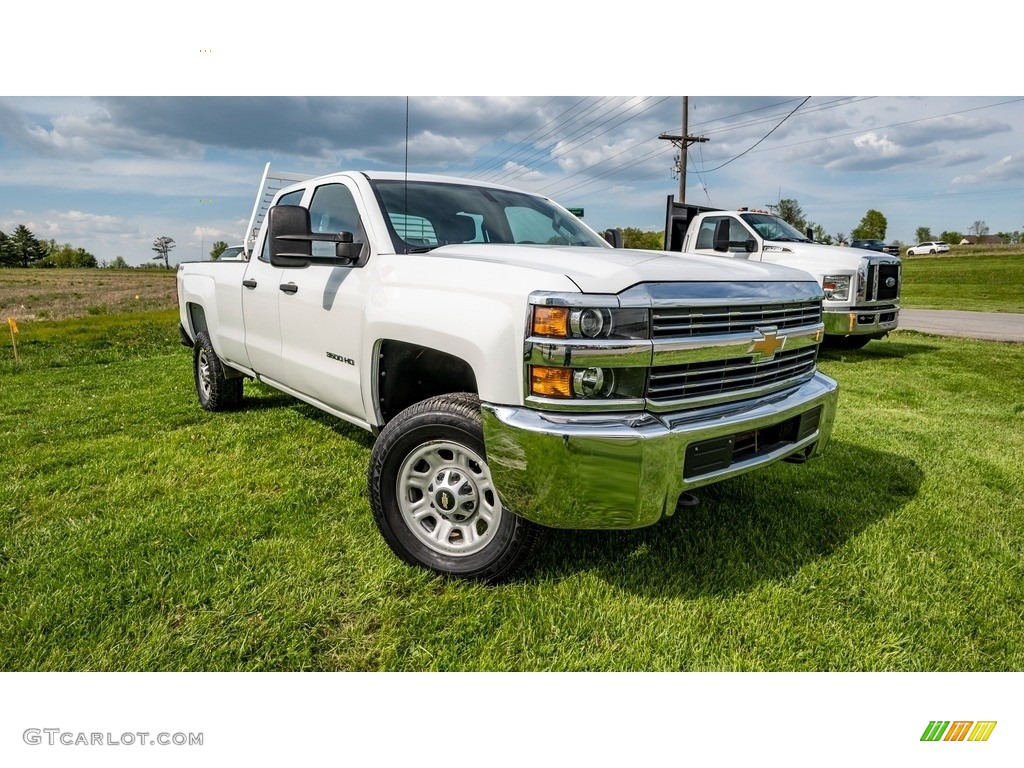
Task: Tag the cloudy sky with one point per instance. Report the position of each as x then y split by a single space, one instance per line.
171 153
111 174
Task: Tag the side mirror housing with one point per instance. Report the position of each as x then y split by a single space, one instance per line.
291 244
723 243
613 237
722 235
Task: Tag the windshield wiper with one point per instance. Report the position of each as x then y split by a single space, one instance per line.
426 249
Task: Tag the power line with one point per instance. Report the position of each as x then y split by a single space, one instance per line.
884 127
552 188
500 135
529 136
516 150
539 151
741 154
583 142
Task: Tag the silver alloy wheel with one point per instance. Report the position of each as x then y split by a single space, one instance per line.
205 374
447 498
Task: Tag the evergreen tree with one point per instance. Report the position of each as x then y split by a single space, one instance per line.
22 249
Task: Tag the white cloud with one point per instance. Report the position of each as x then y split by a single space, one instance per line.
1009 168
211 233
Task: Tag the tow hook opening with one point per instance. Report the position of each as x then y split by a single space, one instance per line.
800 456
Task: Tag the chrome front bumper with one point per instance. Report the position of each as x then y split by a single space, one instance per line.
627 470
858 322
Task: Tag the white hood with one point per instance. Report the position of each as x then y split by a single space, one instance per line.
613 270
820 258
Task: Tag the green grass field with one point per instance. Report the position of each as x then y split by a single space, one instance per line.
982 280
138 532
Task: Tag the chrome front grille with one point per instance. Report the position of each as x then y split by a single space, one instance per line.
709 344
700 381
878 276
706 321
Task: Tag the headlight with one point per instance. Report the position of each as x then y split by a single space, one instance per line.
589 323
587 383
836 287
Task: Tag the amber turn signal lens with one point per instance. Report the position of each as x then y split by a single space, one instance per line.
550 382
551 321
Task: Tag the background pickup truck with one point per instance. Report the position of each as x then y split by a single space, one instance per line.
518 372
861 287
876 245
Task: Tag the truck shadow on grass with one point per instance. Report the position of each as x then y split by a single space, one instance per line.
745 531
897 349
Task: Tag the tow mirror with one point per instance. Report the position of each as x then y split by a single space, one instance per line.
291 241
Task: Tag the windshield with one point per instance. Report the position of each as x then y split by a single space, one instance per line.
773 228
423 215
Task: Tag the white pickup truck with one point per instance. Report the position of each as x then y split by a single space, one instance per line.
518 372
861 287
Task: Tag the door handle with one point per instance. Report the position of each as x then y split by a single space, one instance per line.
249 283
290 288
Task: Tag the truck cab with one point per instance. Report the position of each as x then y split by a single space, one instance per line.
861 287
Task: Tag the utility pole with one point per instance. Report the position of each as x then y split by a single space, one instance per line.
681 143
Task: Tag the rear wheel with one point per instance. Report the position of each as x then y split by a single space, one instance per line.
216 392
433 498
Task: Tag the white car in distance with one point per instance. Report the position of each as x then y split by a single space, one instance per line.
931 247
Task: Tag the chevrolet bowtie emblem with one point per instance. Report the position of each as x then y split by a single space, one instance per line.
764 348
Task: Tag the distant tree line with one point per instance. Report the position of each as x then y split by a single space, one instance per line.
977 229
873 226
23 249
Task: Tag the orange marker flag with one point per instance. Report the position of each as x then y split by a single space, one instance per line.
13 325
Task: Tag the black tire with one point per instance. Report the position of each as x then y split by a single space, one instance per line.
216 392
846 342
432 495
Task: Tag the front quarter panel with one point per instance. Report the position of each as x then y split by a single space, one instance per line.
474 311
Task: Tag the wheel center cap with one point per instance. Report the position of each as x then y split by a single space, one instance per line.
454 495
445 500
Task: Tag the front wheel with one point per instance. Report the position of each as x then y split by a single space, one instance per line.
433 498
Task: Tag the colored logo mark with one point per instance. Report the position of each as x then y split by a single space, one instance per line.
958 730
